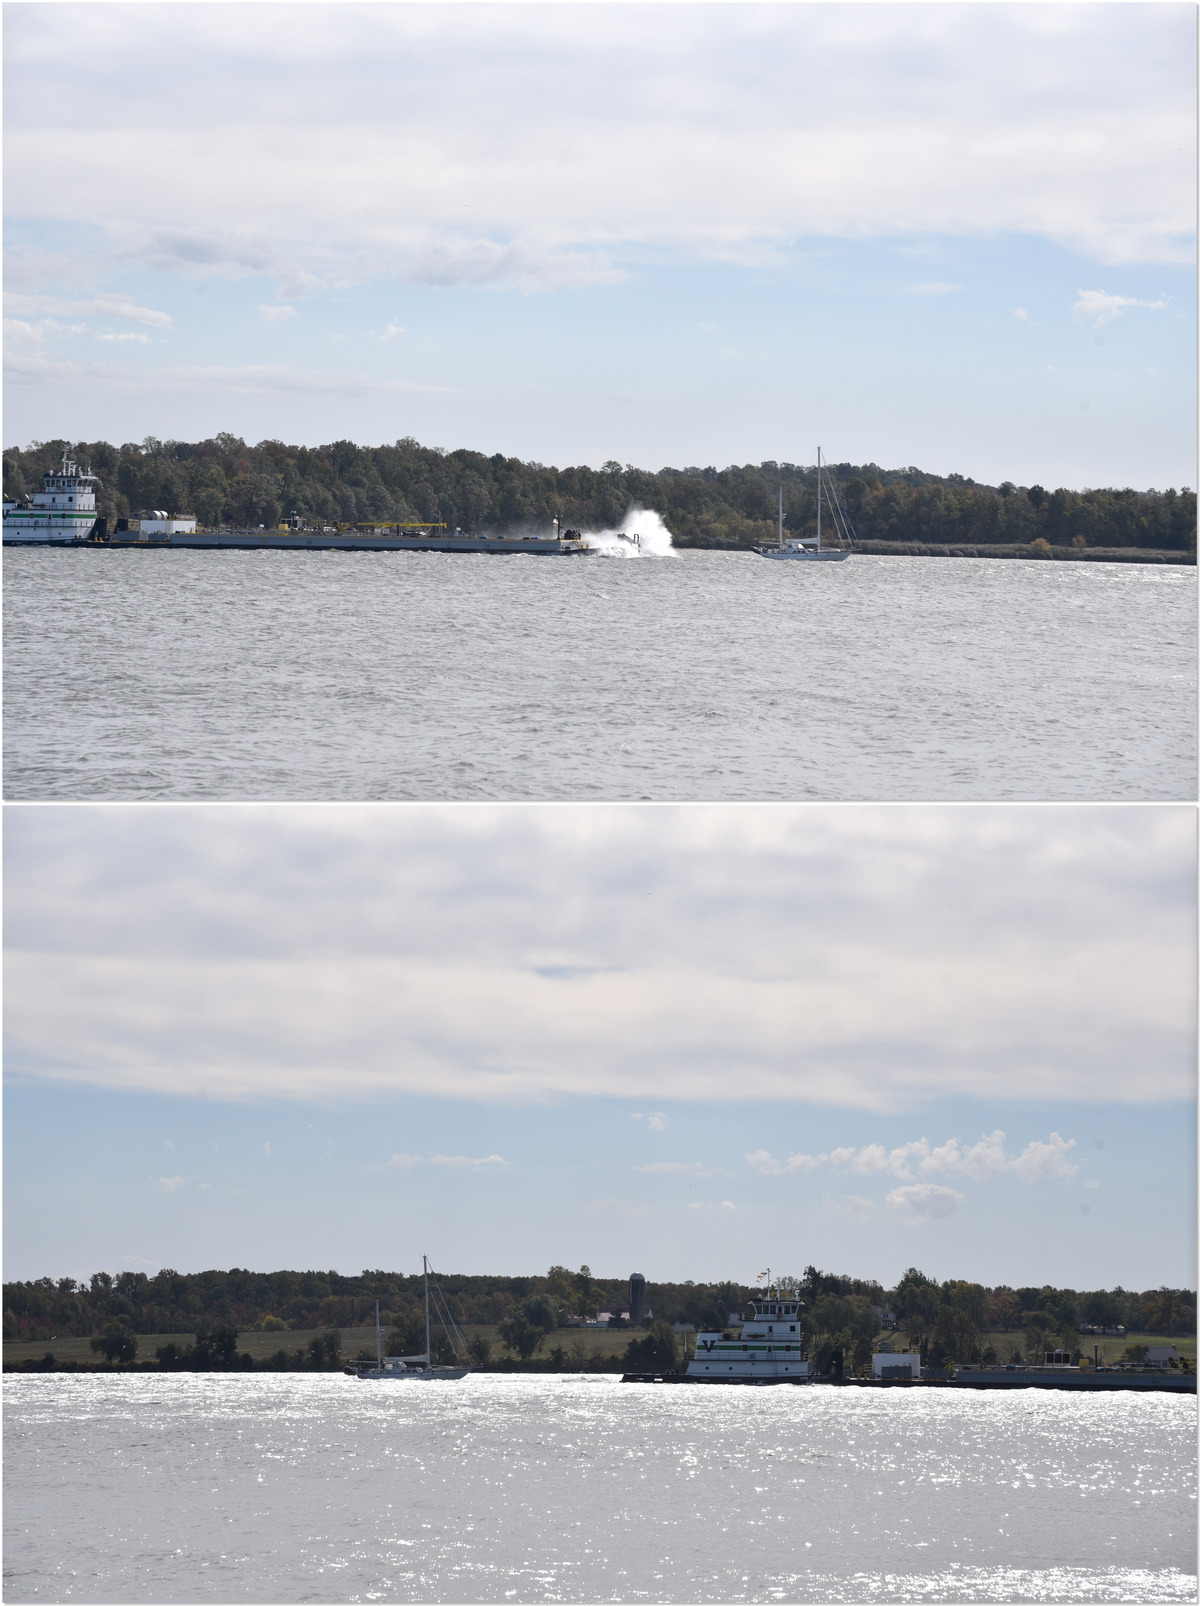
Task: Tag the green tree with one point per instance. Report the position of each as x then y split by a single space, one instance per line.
481 1349
915 1294
521 1336
970 1298
1100 1309
954 1338
656 1352
1003 1309
116 1343
407 1337
325 1351
542 1312
215 1349
560 1287
587 1299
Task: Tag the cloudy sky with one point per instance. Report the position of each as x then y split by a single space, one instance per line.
681 1039
956 236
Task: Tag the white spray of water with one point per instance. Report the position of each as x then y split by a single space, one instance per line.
653 537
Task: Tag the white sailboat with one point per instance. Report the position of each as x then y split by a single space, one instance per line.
403 1368
806 549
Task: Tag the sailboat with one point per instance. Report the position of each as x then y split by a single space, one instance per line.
806 549
402 1368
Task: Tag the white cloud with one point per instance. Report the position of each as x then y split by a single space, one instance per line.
871 960
251 379
18 332
1020 314
171 1184
130 335
764 1163
922 119
267 1148
1091 1183
464 1162
982 1162
656 1121
1098 308
393 328
923 1201
405 1161
1045 1159
871 1159
106 306
676 1168
728 1204
276 315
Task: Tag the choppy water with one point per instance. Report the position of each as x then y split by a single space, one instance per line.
321 1488
696 675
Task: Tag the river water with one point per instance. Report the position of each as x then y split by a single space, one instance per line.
695 675
323 1488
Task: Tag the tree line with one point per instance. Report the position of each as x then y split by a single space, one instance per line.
176 1302
224 482
533 1315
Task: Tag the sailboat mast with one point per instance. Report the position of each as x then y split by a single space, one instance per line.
781 518
428 1352
818 498
378 1340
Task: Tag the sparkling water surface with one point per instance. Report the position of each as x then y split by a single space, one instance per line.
699 675
323 1488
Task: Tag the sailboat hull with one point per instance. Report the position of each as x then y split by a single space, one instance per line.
436 1374
830 556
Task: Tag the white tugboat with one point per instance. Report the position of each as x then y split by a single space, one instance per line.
60 514
404 1368
806 549
767 1350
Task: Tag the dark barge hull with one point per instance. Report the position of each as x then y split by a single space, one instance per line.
1076 1384
303 541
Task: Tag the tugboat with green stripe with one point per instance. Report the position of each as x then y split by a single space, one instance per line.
766 1350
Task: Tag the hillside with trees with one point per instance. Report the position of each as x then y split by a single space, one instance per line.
954 1321
225 482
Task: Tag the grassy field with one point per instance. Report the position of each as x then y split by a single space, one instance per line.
577 1343
1111 1348
580 1345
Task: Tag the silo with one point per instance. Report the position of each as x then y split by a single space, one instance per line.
637 1298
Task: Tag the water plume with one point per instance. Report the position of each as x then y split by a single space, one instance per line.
641 534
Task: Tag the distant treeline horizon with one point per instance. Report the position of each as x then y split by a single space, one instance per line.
175 1302
224 481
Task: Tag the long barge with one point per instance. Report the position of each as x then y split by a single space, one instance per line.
1090 1382
63 514
338 541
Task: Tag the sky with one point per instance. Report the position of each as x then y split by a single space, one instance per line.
690 1041
958 237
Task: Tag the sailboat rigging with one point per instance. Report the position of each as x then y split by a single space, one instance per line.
804 547
396 1368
